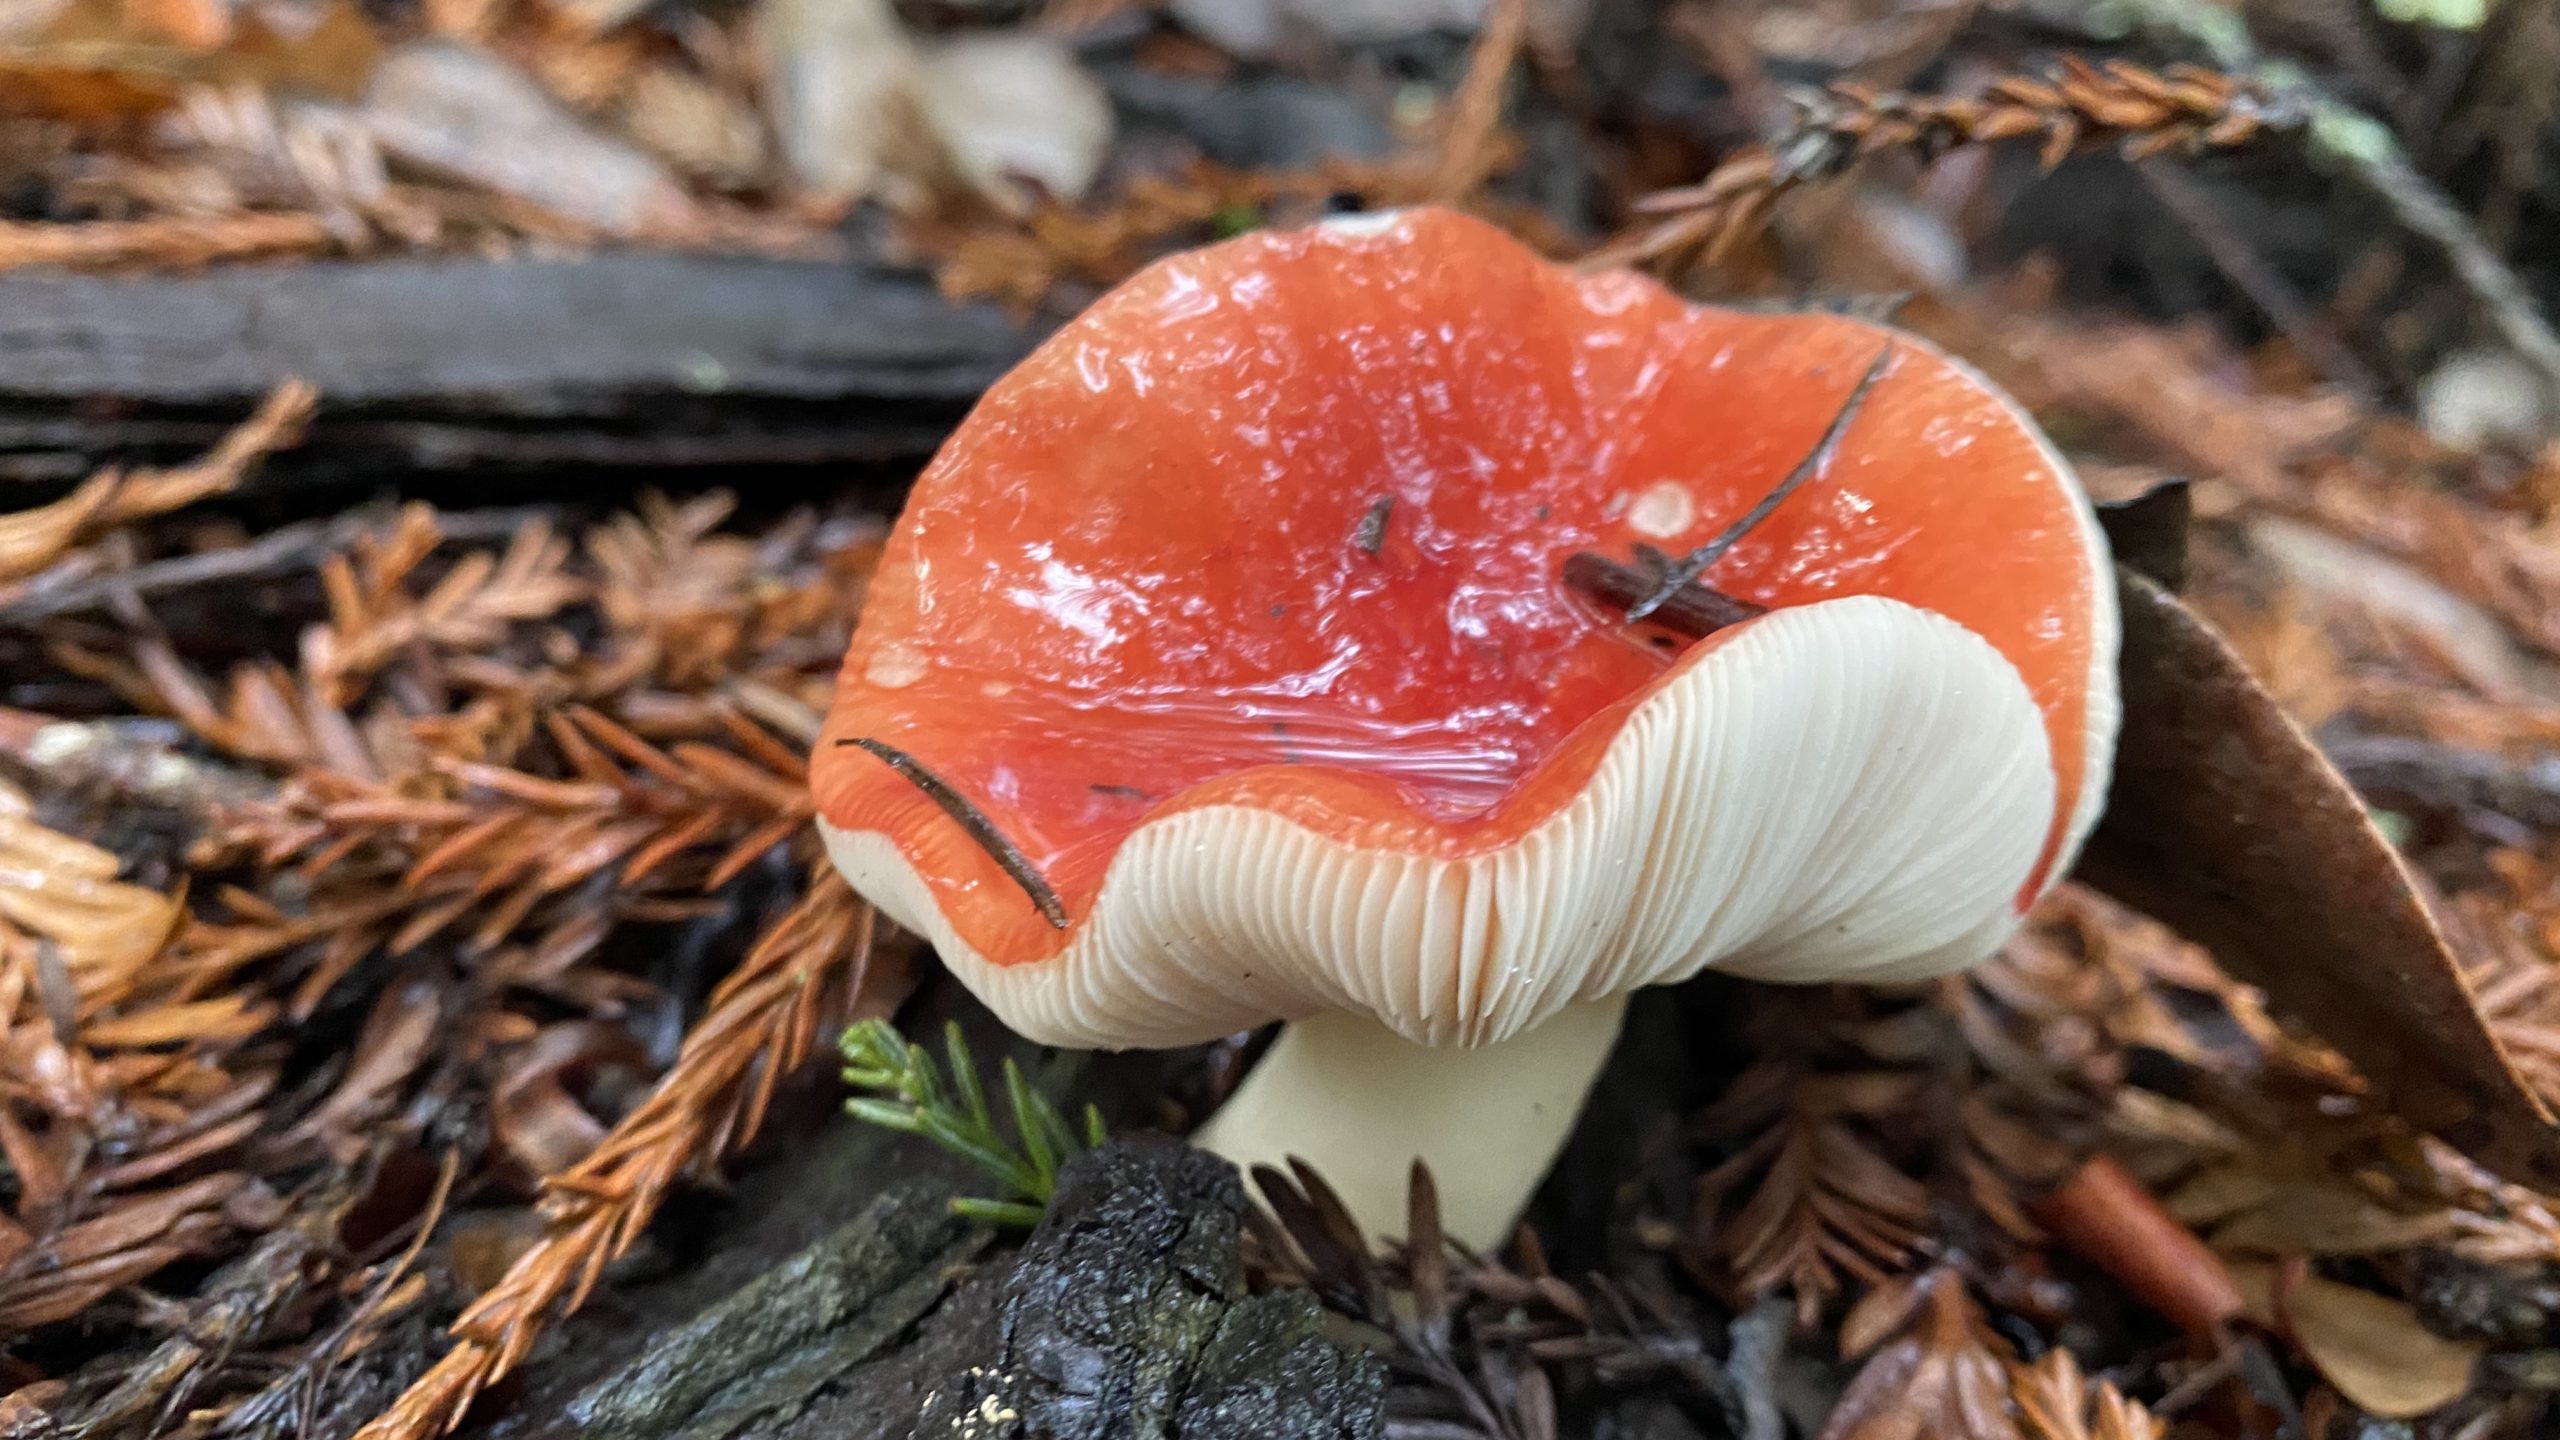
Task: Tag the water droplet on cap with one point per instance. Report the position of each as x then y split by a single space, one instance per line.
895 667
1662 511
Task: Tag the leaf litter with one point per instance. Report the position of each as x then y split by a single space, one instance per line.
306 933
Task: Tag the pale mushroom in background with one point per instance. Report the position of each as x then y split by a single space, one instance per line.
1222 670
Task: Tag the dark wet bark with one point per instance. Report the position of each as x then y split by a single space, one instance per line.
1126 1315
1123 1315
611 362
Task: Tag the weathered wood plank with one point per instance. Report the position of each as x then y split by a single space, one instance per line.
611 361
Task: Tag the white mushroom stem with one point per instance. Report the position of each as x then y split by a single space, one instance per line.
1361 1103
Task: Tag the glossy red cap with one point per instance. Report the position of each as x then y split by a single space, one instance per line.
1237 611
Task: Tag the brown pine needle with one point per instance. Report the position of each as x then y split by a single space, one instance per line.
170 242
30 540
1470 149
2144 112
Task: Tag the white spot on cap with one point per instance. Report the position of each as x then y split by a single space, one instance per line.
895 667
1662 511
1363 226
996 689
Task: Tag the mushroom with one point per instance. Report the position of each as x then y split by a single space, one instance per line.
1223 669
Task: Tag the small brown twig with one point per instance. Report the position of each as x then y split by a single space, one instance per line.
2145 112
1678 576
284 550
172 242
1004 852
1468 150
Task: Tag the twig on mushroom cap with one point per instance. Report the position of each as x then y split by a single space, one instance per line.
974 820
1693 609
1677 577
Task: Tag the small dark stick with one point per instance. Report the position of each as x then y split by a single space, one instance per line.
975 821
1695 563
2113 1221
1693 610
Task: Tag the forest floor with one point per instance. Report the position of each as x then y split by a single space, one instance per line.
446 442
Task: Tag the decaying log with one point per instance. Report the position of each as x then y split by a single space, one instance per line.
616 360
1123 1315
761 1354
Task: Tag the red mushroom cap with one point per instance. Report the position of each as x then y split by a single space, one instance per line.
1238 610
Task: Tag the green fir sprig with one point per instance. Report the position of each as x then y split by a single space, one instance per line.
913 1094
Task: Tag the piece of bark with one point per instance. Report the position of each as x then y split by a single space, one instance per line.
619 359
815 1181
2225 821
1126 1316
1124 1217
768 1348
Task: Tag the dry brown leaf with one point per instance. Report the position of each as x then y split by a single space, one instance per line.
2327 1218
2226 822
464 113
2370 1346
